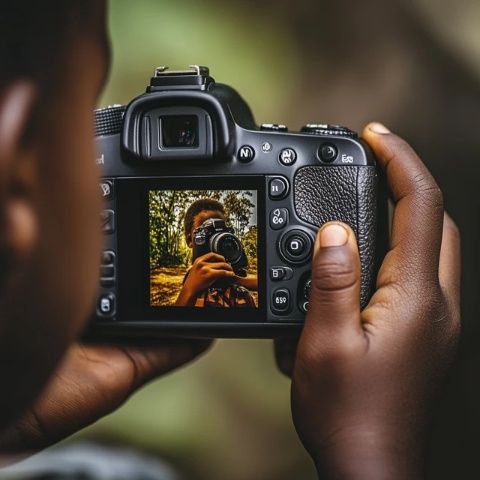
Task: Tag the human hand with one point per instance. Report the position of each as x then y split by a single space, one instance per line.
92 381
250 282
362 382
204 272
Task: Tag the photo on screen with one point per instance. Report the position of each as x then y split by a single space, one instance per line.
203 248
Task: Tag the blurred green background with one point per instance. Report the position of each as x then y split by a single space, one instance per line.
241 48
414 66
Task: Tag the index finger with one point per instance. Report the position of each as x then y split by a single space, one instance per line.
285 350
416 234
213 257
220 266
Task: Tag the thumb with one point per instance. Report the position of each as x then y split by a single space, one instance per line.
334 311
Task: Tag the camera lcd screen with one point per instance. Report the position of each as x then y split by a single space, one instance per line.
203 248
179 131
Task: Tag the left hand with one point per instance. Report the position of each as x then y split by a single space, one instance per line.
92 381
250 282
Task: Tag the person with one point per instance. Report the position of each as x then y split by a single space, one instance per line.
201 287
363 383
54 58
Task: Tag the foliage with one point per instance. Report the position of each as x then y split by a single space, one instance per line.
167 210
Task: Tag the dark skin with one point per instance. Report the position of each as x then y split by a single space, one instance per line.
50 206
363 382
208 268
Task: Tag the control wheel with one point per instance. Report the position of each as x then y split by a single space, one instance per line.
304 288
326 129
295 246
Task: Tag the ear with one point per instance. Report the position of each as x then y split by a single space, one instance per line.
189 241
18 217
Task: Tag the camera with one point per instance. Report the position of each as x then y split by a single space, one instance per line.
214 236
194 189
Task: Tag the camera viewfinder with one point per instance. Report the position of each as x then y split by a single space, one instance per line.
180 131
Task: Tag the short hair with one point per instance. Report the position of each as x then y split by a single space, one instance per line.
35 36
198 206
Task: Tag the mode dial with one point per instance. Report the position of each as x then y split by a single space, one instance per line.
326 129
273 127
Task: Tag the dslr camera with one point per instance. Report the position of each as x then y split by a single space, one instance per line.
214 236
184 160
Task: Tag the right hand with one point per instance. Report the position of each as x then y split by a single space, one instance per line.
204 272
363 382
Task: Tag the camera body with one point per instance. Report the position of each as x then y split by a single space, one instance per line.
188 142
214 236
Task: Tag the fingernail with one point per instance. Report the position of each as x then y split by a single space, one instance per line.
378 128
333 236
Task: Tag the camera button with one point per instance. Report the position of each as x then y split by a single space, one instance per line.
107 218
106 305
107 282
280 273
278 218
108 271
246 153
295 246
106 190
287 157
108 258
281 301
328 152
278 188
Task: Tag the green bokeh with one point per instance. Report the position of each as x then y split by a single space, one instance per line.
247 50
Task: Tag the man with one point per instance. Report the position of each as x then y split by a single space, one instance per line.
54 58
211 281
362 381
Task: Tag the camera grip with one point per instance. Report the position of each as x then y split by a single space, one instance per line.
347 194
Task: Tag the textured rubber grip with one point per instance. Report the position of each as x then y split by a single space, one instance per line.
109 120
347 194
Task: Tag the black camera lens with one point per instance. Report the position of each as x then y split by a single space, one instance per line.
228 246
180 131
